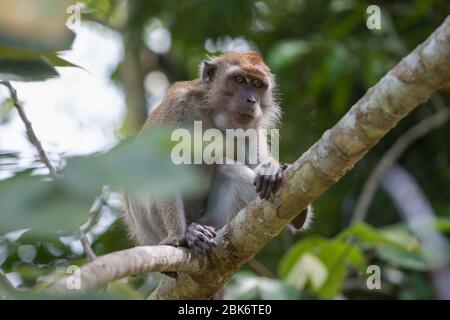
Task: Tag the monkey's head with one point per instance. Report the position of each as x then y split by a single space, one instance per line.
240 91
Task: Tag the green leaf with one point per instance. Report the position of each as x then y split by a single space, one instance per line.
308 268
443 224
403 259
6 108
335 255
57 61
286 52
245 285
44 206
295 252
374 237
18 69
51 57
338 256
139 166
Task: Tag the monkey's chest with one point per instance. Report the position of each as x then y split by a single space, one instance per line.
195 208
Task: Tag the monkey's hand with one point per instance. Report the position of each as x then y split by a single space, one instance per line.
200 238
268 179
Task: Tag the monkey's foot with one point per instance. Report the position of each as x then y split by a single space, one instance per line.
268 179
200 238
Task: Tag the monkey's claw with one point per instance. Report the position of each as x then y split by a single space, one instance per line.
268 179
200 238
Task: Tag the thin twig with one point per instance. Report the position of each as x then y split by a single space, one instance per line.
260 268
90 255
391 156
29 128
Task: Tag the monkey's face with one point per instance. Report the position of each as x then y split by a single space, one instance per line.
241 97
240 89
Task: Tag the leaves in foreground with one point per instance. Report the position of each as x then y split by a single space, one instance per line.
62 204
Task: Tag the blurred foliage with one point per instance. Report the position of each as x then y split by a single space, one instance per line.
324 59
30 40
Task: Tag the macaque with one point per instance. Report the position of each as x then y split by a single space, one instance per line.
234 91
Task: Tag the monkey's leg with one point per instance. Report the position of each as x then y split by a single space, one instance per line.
173 221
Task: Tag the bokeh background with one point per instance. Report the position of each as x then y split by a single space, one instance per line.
127 53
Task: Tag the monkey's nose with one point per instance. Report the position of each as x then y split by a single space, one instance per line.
251 100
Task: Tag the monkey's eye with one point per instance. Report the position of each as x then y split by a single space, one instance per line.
239 79
258 83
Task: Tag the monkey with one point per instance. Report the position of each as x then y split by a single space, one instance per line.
234 91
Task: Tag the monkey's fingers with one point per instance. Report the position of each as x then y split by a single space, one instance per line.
212 231
279 180
209 241
208 231
270 186
258 182
264 186
199 238
260 179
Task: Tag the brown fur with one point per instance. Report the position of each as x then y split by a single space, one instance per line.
154 222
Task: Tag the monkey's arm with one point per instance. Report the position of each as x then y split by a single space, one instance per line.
269 175
269 172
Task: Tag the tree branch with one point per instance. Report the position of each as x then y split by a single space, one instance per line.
129 262
29 128
410 83
89 253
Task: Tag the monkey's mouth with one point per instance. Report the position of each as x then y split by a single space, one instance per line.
243 118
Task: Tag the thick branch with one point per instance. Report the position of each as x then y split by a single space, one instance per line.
410 83
133 261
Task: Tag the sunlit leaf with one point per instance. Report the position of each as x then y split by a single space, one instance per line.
372 236
246 285
286 52
295 252
308 268
335 256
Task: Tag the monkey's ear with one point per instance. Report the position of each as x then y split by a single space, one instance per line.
208 70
